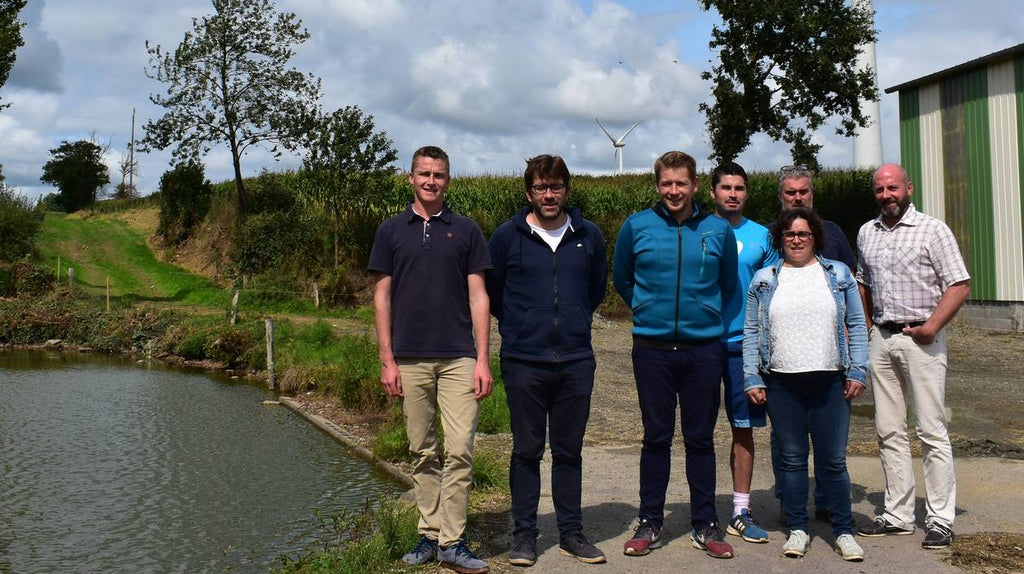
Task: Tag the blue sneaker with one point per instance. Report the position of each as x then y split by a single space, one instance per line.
744 526
460 558
425 551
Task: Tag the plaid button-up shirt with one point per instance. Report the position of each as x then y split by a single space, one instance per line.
909 266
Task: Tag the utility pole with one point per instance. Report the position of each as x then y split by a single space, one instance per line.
131 156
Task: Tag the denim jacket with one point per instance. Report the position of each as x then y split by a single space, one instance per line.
757 342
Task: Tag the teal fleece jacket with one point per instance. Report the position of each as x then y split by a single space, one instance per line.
674 275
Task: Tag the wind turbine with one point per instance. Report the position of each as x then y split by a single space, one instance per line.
618 143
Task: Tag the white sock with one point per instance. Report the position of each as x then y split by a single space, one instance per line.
740 501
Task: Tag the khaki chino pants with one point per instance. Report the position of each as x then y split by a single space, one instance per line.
442 491
903 371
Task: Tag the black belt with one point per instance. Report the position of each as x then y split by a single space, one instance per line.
894 327
663 345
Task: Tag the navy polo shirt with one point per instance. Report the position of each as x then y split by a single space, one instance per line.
429 262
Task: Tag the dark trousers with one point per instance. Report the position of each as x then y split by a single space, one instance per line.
689 378
802 404
542 395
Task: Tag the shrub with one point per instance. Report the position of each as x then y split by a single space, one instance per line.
20 221
26 278
184 201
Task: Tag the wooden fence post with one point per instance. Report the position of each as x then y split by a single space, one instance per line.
108 294
71 277
58 268
316 295
270 354
234 307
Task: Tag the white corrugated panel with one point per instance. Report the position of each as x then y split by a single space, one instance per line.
1002 119
932 184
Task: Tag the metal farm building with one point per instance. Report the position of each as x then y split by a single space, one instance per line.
961 142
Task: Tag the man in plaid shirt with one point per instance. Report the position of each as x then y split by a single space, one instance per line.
912 280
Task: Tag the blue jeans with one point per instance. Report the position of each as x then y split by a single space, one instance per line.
539 395
689 378
811 403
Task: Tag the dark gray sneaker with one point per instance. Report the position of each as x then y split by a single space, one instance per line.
937 537
882 527
460 558
577 546
424 551
524 550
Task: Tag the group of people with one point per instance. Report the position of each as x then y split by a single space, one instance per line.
786 316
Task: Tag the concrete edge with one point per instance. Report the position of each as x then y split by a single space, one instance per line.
346 438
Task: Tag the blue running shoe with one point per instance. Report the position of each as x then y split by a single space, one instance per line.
744 526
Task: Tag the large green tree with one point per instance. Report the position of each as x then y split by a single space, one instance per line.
347 161
785 67
78 171
10 37
228 82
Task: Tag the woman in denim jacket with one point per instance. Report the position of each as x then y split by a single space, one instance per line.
805 358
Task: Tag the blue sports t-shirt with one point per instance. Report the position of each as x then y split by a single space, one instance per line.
754 247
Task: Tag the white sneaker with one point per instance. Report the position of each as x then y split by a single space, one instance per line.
848 548
797 544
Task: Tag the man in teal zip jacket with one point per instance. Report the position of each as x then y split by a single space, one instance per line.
674 265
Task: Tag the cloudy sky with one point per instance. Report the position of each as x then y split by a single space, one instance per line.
492 82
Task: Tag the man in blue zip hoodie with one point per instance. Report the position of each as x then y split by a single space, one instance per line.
550 274
674 265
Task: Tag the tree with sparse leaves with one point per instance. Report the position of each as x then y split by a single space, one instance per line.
786 67
346 163
78 171
10 37
229 82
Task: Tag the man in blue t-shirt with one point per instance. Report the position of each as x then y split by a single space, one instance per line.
754 250
432 316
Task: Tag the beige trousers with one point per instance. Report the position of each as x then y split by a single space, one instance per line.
903 371
441 489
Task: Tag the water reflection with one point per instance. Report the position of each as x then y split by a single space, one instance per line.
108 467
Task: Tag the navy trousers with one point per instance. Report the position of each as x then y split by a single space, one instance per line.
543 395
689 377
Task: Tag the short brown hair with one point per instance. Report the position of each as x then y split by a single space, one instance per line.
433 152
673 160
547 166
786 219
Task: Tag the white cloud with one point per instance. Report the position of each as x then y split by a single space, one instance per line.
492 82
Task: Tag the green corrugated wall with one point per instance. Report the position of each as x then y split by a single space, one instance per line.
910 137
979 185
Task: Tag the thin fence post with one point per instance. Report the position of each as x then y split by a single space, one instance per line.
58 268
271 382
108 294
71 277
316 295
234 307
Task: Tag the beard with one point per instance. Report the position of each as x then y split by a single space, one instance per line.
896 209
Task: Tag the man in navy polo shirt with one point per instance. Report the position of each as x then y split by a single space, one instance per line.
550 274
430 305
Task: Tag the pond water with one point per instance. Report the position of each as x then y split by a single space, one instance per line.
109 466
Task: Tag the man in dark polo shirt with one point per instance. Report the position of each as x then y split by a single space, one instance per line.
430 305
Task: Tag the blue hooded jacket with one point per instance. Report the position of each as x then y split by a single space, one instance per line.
674 275
544 300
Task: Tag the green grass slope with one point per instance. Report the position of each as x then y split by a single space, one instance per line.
102 247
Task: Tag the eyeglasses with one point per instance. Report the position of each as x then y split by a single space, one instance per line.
795 167
555 188
791 235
